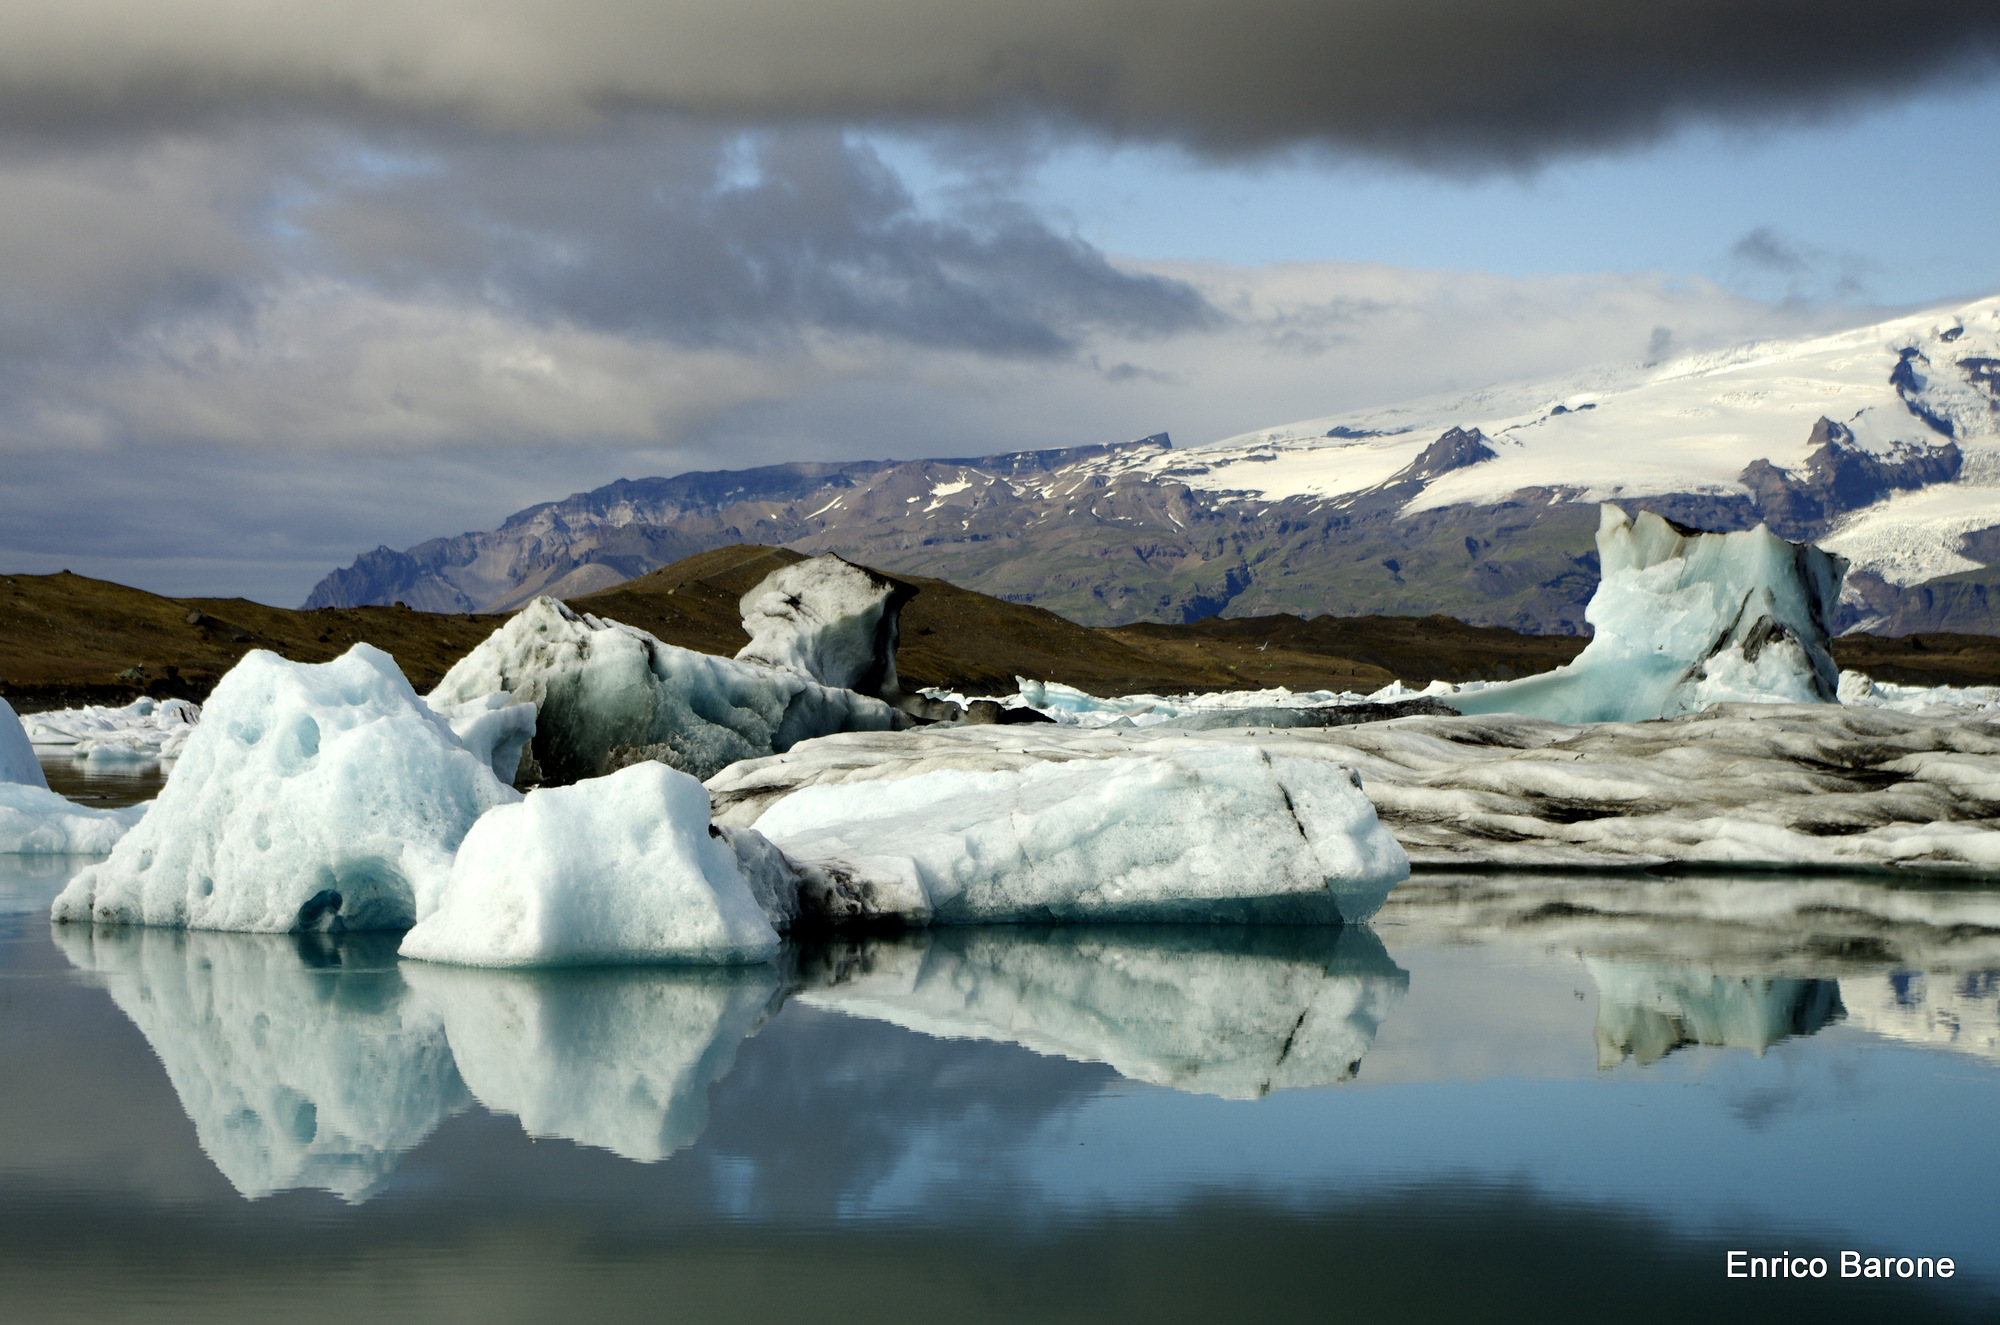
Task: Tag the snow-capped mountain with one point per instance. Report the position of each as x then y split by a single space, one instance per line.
1881 443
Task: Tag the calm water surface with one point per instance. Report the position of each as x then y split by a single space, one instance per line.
1514 1097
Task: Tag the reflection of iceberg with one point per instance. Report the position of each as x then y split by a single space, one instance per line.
1645 1012
620 1058
1957 1010
302 1062
1219 1011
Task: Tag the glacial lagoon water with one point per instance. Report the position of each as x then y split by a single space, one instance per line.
1512 1097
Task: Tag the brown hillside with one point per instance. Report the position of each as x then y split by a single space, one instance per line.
67 639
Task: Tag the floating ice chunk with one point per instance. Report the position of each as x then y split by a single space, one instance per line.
614 869
828 619
1865 692
1646 1011
311 796
302 1062
1229 1011
496 729
18 765
1686 619
144 731
1188 833
618 1059
37 821
608 695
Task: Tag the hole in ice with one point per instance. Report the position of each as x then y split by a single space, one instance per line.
322 906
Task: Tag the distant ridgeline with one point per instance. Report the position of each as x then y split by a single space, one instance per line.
1881 444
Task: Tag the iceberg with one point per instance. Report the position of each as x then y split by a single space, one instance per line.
619 1059
828 619
1683 620
144 731
18 765
613 869
1646 1011
495 728
37 821
1185 832
1224 1011
302 1061
312 796
608 695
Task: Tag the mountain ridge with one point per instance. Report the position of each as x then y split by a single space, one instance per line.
1882 443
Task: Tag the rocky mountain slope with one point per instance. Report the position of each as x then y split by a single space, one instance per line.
1882 443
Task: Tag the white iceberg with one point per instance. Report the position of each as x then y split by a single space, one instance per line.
620 1059
1684 620
1232 1012
1645 1011
613 869
828 619
608 695
312 796
145 731
302 1061
18 765
1863 691
1187 832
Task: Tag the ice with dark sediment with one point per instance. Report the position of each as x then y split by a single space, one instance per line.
1817 786
607 695
1224 1011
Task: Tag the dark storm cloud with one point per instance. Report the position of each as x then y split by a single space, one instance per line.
1442 81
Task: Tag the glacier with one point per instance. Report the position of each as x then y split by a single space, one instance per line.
311 796
620 868
607 695
1236 1013
1684 619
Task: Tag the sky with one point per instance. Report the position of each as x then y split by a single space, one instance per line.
279 283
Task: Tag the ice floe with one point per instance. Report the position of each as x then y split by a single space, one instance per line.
1864 692
145 731
311 796
613 869
1683 620
617 1059
608 695
1215 1011
300 1063
1187 831
1775 786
